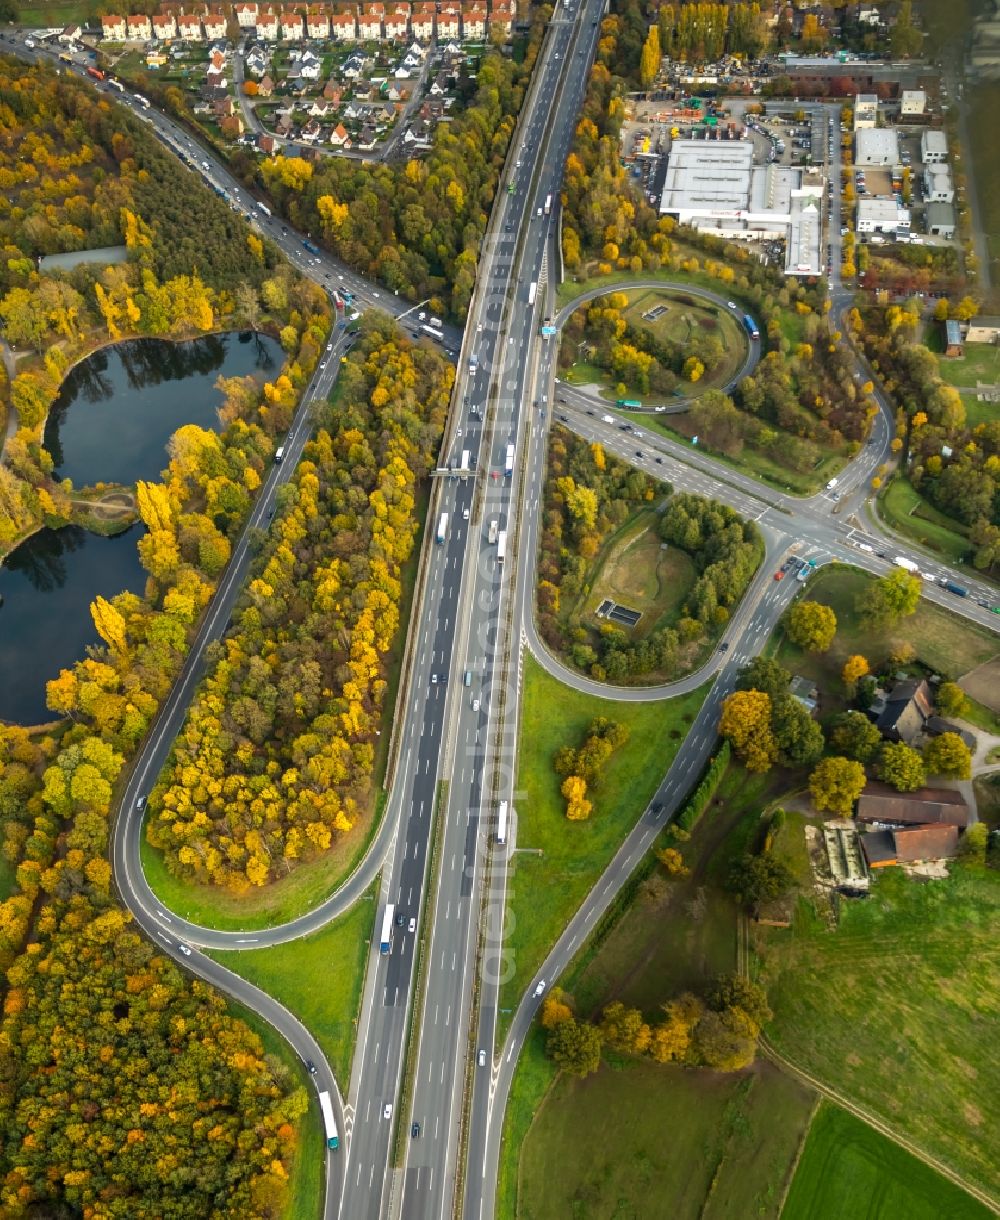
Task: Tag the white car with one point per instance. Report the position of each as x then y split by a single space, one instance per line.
475 705
140 802
731 304
540 988
412 925
185 949
387 1111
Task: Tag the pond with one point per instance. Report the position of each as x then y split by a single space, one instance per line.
47 585
117 409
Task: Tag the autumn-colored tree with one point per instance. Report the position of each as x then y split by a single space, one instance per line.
855 668
947 754
951 700
555 1009
624 1029
746 722
574 789
811 625
836 783
901 766
673 862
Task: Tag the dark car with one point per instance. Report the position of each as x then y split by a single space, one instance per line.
415 1131
400 919
311 1067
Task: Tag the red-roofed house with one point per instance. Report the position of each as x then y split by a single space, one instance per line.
113 28
344 26
265 86
139 26
474 23
422 24
267 26
293 26
164 26
397 24
318 23
448 25
339 137
246 14
214 25
189 27
913 844
370 23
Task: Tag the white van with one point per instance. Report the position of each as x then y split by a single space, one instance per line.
279 454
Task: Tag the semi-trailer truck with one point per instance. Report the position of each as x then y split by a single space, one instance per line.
956 589
508 467
442 531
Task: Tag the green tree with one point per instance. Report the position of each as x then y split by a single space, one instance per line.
974 842
855 736
948 755
889 599
724 1041
575 1046
799 737
901 766
757 879
811 625
737 991
624 1029
764 674
836 783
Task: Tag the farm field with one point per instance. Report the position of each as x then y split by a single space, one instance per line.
645 1139
849 1170
893 1008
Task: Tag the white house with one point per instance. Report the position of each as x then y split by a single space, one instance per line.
938 186
164 26
113 28
292 26
246 15
474 23
370 25
139 27
267 26
933 147
912 102
318 23
344 26
189 27
214 25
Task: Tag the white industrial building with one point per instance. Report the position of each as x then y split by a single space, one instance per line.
865 111
876 146
933 147
938 186
882 216
715 186
912 102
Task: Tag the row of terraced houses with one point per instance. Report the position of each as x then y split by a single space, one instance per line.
375 22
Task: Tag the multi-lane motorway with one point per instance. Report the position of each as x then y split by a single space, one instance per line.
457 723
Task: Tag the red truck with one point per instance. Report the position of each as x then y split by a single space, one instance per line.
96 73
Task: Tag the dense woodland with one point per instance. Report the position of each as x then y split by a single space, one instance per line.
276 758
78 172
125 1088
956 467
416 226
588 496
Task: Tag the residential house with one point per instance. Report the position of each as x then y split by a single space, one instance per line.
370 24
256 61
113 29
70 34
883 806
320 108
156 59
422 21
869 16
804 691
333 92
189 27
267 26
397 25
214 25
907 707
865 111
368 137
293 26
224 107
309 66
396 92
353 68
912 845
246 15
164 26
310 131
474 23
501 20
267 143
139 27
933 147
449 25
438 86
344 26
265 86
339 137
318 23
417 134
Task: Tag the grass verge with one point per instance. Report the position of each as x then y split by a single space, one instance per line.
904 510
895 1006
319 978
845 1161
557 861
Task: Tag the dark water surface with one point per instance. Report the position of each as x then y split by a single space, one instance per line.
118 408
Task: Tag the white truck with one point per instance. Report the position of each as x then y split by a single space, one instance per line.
494 530
906 564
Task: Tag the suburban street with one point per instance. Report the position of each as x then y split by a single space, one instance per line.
429 1011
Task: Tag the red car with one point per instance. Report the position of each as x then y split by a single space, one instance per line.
779 575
